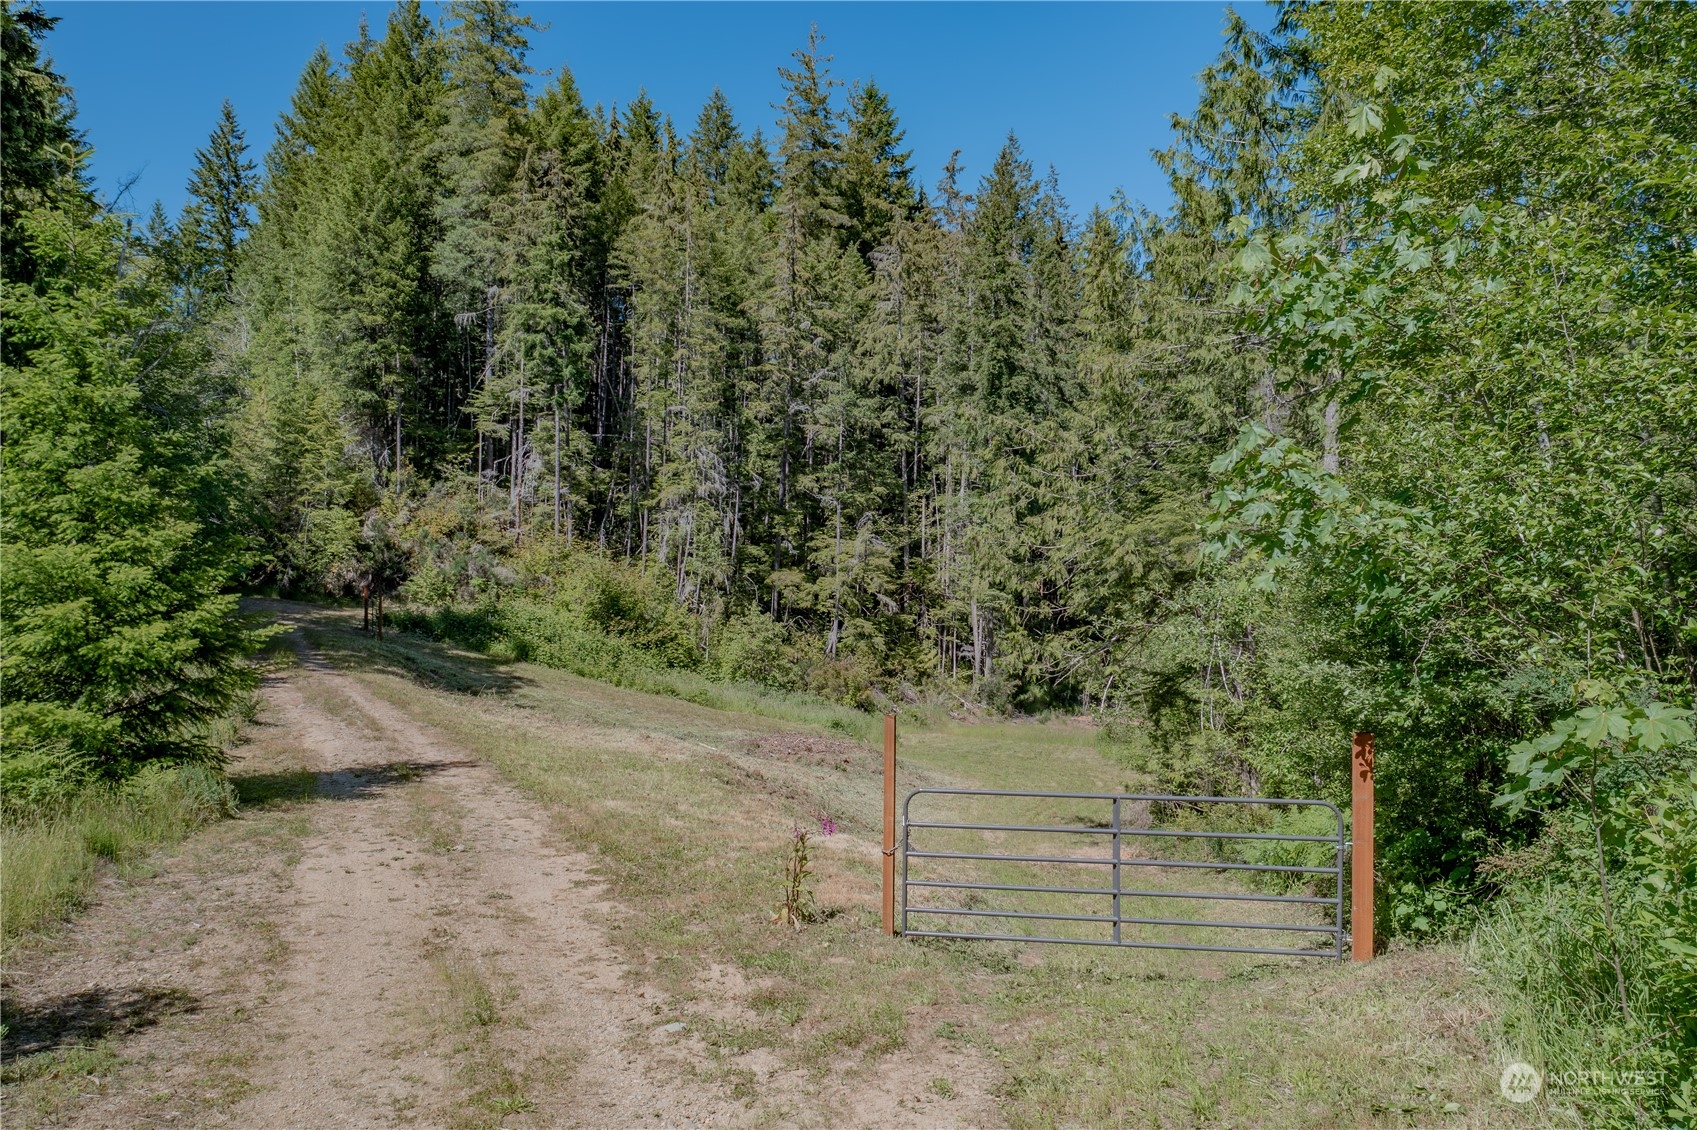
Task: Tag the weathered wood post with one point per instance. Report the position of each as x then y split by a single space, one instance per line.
890 824
1361 853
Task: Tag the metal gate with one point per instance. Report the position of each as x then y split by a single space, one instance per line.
1112 836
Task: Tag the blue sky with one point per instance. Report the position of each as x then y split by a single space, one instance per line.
1087 87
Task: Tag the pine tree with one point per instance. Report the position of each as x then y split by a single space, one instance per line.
42 154
798 324
480 147
389 340
810 151
221 191
350 349
118 643
877 178
714 142
559 264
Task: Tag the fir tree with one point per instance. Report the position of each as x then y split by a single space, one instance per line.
877 177
41 151
221 191
479 148
118 640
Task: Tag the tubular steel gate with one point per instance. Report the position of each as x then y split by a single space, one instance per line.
1110 842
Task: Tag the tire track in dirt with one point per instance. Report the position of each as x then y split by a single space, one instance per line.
294 969
375 914
899 1093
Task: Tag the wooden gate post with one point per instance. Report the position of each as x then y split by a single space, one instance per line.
890 825
1361 853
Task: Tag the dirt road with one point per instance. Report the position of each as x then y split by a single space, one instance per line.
412 945
502 911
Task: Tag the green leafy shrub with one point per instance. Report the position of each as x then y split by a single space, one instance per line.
1426 911
35 779
845 680
1595 935
610 598
1301 820
754 647
553 636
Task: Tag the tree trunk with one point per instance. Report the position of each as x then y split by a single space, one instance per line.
1329 452
556 471
518 465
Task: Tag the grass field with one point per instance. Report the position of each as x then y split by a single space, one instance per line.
689 811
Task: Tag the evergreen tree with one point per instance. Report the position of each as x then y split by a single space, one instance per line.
559 249
118 641
41 151
480 144
480 147
221 195
713 142
810 151
877 179
388 340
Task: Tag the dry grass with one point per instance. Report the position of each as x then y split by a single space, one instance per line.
689 822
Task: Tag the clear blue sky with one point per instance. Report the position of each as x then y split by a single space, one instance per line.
1087 87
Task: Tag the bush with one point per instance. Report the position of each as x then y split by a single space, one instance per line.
475 626
843 680
1302 820
598 595
754 647
552 636
37 779
534 630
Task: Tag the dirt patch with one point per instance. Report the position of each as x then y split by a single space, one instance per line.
141 1013
796 748
447 959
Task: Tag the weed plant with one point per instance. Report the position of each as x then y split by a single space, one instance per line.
798 904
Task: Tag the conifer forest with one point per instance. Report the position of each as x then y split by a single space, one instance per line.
1388 423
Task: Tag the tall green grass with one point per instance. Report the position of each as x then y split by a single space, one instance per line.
49 856
1601 996
1561 1013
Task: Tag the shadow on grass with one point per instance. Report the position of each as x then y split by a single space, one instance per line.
265 790
88 1015
414 658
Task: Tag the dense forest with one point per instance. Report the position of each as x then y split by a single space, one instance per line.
1389 422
